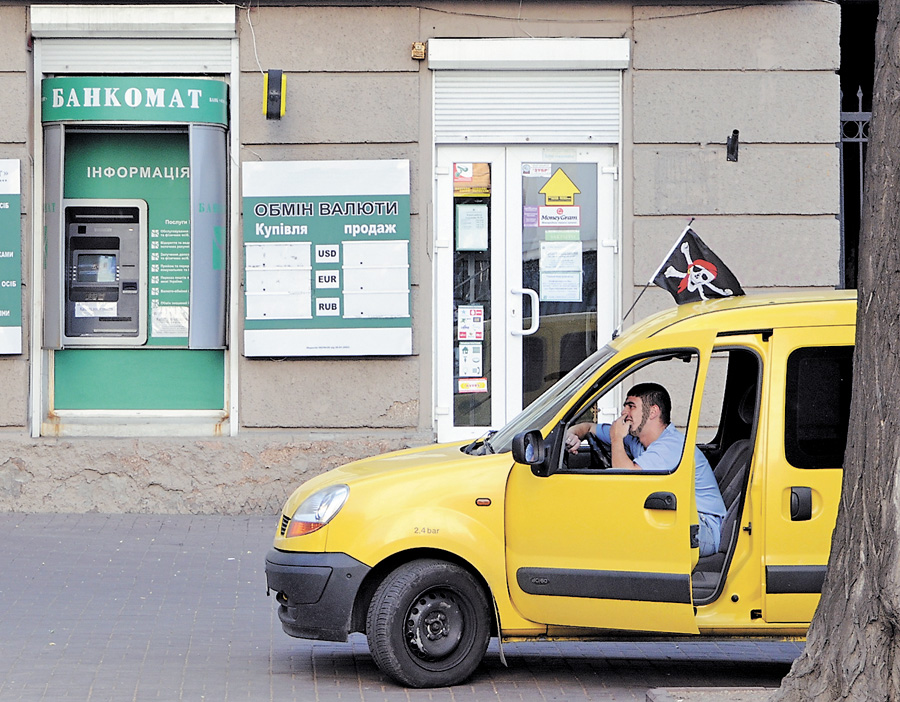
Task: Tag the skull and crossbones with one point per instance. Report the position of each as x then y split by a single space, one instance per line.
700 275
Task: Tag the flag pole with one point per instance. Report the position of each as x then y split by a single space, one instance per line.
669 255
625 316
652 277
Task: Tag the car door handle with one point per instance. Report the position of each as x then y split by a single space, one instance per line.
801 504
661 500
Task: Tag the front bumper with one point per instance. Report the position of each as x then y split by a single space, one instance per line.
315 592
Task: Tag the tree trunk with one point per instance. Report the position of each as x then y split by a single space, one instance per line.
852 649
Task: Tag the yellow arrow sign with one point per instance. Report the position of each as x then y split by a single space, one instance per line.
559 190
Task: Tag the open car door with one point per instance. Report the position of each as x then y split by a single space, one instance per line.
610 548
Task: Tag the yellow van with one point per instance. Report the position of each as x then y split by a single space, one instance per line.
432 551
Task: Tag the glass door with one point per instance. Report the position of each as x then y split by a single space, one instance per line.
526 270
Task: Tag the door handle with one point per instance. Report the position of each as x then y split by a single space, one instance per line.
801 504
661 500
535 312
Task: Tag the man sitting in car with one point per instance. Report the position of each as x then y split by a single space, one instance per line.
643 438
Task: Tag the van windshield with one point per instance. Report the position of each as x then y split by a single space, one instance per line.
539 413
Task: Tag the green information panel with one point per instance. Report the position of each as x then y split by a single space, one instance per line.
153 167
164 374
135 379
10 257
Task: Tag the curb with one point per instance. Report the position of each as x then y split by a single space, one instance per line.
709 694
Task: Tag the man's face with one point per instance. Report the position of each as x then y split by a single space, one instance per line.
635 415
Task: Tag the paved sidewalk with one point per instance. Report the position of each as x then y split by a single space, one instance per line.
709 694
152 607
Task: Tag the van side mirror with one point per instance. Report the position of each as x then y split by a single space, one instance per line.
543 456
528 448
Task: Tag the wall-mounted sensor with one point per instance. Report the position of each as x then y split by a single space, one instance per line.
274 91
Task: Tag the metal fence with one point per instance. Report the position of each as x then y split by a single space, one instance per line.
853 148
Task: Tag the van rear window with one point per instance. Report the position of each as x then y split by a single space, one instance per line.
817 406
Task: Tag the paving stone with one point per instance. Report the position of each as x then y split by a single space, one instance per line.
100 607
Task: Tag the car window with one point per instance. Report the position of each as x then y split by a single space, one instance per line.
676 371
730 397
542 411
817 406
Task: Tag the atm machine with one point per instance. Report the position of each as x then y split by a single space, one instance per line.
105 269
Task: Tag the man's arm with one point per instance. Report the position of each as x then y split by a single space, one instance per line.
576 434
620 458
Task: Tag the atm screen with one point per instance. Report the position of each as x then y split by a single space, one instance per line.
95 268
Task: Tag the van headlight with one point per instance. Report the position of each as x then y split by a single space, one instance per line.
317 510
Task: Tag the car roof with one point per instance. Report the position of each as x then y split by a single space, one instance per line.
751 313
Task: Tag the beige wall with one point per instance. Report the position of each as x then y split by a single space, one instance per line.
768 71
354 92
15 142
695 77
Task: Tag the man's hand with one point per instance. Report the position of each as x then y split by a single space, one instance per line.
575 434
618 430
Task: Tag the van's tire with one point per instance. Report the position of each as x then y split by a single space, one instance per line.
429 624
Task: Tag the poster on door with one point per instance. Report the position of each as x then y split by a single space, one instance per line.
470 365
471 179
561 271
470 323
559 230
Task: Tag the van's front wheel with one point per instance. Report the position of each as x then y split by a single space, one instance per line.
429 624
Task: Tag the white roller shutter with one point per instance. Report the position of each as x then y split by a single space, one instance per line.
518 90
144 56
139 38
527 106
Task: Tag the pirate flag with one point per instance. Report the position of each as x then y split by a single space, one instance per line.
692 272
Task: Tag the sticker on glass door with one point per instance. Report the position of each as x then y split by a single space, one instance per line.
471 292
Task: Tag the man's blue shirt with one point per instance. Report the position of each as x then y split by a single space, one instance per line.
664 454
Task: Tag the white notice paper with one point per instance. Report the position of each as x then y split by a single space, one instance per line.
561 286
561 256
470 323
471 227
470 365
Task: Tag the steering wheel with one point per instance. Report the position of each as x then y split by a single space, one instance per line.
601 453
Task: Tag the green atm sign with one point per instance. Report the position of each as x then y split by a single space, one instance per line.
134 99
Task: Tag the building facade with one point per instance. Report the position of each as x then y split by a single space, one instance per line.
257 242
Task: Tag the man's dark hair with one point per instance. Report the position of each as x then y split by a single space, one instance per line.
654 394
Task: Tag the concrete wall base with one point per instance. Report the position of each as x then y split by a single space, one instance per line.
249 474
